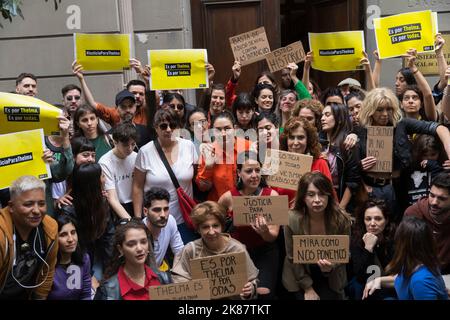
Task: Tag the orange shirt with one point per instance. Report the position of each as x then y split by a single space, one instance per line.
111 115
222 175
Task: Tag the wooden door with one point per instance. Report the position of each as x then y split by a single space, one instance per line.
215 21
331 16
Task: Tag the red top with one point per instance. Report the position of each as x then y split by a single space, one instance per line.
320 165
129 290
246 234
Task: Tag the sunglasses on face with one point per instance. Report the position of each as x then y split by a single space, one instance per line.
178 107
70 98
164 126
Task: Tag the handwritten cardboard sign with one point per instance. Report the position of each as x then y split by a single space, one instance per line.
379 145
273 208
280 58
227 273
250 47
309 249
291 167
190 290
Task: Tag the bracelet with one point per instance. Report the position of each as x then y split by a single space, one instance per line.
417 70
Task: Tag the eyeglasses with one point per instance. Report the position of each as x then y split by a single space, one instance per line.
159 209
164 126
70 98
178 107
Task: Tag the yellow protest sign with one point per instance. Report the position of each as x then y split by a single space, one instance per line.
102 52
337 51
20 155
396 34
178 69
427 62
20 113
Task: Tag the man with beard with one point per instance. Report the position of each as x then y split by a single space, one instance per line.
435 210
126 109
162 225
26 84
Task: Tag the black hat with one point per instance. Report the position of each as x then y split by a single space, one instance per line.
124 94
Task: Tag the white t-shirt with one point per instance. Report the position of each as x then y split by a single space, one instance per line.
119 174
148 161
169 235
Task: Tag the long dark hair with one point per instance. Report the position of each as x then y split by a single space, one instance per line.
81 111
359 228
77 255
257 91
117 259
416 89
343 125
335 217
90 206
414 245
424 143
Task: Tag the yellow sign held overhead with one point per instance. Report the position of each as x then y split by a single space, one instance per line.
102 52
20 113
398 33
178 69
337 51
22 156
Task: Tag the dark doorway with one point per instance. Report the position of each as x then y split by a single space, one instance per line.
298 17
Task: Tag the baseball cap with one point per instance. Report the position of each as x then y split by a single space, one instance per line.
122 95
350 81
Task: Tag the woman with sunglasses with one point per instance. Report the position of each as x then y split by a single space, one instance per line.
150 170
72 280
217 169
259 237
176 102
209 219
133 268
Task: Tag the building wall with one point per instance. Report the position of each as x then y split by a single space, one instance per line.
389 7
43 43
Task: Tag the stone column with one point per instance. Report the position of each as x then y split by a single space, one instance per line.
126 26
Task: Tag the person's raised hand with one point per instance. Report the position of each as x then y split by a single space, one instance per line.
77 70
236 69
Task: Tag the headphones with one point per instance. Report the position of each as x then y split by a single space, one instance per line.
36 236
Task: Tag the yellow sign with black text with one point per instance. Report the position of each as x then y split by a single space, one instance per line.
337 51
178 69
21 155
19 113
102 52
398 33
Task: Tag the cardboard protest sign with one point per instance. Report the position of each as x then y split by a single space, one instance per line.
280 58
227 273
178 69
290 169
250 47
380 146
310 248
20 155
273 208
337 51
396 34
102 52
20 113
427 63
191 290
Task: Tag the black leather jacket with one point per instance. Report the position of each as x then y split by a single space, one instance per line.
402 145
349 167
